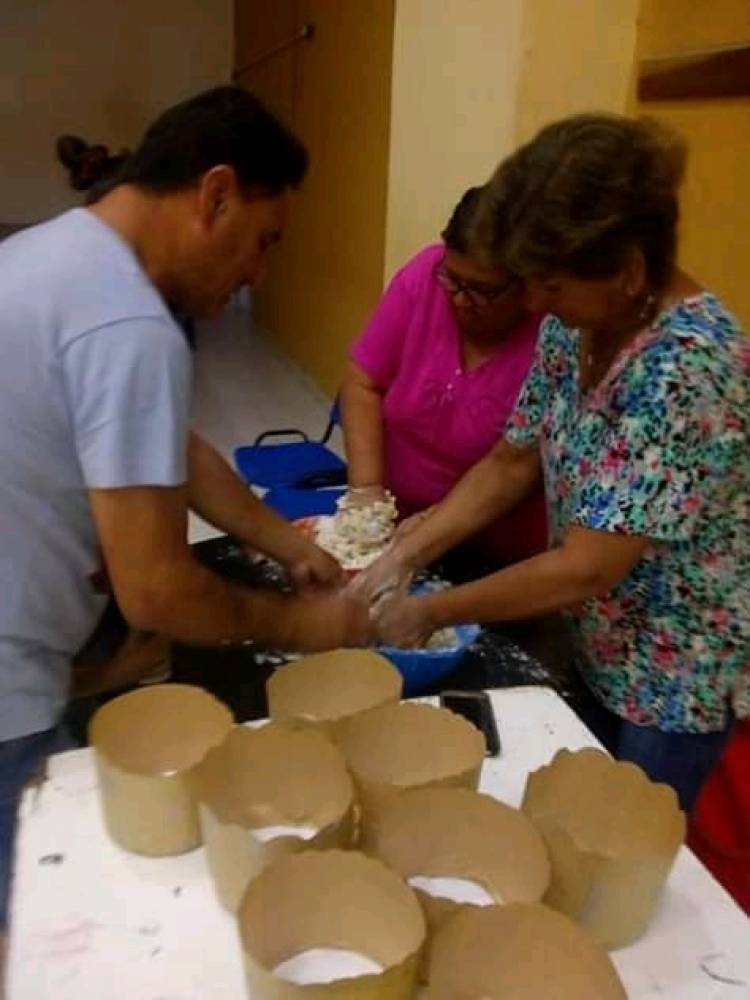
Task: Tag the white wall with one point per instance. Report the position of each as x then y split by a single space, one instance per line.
101 69
456 68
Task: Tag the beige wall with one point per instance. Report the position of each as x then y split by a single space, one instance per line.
456 66
716 195
98 68
472 78
327 273
578 55
466 80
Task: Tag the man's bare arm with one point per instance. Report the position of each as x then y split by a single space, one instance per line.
161 588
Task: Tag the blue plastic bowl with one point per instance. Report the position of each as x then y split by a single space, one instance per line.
423 668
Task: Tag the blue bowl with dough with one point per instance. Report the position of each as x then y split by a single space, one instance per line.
423 668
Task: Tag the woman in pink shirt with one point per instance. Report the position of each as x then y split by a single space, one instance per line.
434 378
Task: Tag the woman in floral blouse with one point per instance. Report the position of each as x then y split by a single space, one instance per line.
636 413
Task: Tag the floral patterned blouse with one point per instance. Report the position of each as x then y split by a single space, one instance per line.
659 448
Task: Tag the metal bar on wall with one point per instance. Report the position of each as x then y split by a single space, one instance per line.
305 33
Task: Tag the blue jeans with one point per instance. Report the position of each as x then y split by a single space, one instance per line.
682 760
21 760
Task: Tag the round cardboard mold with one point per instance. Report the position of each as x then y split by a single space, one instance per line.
324 688
331 899
523 951
146 743
410 745
612 836
274 777
455 833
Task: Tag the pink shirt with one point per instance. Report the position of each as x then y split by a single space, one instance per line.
439 419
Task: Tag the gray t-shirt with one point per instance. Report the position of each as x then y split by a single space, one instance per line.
94 393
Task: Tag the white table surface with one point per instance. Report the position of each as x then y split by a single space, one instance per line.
91 922
200 530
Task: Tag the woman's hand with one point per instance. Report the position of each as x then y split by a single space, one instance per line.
391 573
404 621
388 575
362 424
365 496
410 524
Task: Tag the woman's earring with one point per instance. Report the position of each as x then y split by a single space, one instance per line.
649 309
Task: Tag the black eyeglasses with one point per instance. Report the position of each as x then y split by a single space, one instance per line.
480 296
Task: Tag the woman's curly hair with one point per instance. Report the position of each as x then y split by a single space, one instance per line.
581 194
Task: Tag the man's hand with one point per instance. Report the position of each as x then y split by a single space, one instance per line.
404 621
315 570
218 495
142 658
331 622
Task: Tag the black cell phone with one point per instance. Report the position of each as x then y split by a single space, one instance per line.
477 708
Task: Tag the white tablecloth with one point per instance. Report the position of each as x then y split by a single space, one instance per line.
91 922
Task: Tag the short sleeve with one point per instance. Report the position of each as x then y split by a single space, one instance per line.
658 463
525 424
379 348
127 386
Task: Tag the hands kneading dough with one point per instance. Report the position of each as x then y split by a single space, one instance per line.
360 530
360 536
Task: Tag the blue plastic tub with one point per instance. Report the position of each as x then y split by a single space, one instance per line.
423 668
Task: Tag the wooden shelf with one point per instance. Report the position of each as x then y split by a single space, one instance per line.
709 74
